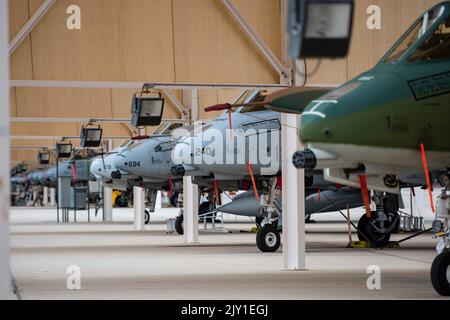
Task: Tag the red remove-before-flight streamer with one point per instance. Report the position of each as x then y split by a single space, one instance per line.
427 175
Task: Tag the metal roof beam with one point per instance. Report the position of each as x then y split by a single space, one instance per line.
283 71
136 85
174 100
29 26
83 120
24 137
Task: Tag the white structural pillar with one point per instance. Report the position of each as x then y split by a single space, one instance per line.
190 191
190 211
5 283
195 115
107 204
139 208
293 197
52 197
45 197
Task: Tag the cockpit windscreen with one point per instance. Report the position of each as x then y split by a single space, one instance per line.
415 34
437 45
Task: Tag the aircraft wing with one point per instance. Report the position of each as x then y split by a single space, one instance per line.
295 100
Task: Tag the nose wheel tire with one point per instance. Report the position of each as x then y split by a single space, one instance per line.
268 239
147 217
367 230
440 273
179 225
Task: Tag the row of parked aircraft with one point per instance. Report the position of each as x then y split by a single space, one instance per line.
385 130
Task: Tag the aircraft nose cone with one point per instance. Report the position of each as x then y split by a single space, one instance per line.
121 161
318 122
96 167
131 161
182 153
315 130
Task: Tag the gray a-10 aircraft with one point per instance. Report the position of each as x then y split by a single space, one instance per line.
127 166
198 155
104 169
45 177
386 123
156 159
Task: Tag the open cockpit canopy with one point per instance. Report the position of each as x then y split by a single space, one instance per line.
427 40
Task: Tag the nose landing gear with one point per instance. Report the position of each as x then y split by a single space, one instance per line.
268 239
440 273
440 269
383 222
378 228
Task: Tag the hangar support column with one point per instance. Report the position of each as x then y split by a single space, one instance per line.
107 204
294 249
190 190
5 282
107 194
139 203
52 197
45 197
139 208
293 198
190 210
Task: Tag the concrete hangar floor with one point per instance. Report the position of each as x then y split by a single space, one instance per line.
116 262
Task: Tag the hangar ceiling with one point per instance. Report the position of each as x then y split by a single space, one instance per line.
163 41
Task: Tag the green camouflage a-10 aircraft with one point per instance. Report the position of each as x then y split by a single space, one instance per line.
390 122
